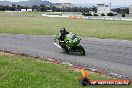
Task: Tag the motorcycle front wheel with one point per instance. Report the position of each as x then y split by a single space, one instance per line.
81 50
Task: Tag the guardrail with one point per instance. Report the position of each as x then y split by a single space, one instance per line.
109 18
91 17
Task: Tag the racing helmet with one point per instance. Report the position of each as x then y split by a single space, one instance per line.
63 31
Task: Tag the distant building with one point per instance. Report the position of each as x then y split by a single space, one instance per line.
23 10
64 5
103 9
49 10
130 9
29 10
26 10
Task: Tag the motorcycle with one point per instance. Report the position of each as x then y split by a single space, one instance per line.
71 43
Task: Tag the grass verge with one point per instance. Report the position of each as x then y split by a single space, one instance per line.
25 72
50 26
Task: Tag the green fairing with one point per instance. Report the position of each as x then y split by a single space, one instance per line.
71 43
72 40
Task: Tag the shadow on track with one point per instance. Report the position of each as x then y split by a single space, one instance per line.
72 53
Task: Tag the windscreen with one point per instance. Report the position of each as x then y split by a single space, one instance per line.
71 36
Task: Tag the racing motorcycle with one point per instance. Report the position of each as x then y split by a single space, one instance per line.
71 43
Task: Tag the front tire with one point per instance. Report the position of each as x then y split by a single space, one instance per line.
81 50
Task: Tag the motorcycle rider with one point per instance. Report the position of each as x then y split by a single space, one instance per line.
69 42
62 35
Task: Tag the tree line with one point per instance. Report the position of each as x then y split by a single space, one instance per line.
44 8
121 10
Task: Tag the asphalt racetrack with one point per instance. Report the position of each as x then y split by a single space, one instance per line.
115 55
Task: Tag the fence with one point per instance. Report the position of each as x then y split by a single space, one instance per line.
109 18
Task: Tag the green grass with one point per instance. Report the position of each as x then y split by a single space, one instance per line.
6 14
50 26
25 72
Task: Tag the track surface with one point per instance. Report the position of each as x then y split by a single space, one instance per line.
115 55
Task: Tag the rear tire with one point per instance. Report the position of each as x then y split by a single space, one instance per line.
66 50
81 50
63 45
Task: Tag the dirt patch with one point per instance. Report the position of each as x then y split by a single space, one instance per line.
6 54
79 70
